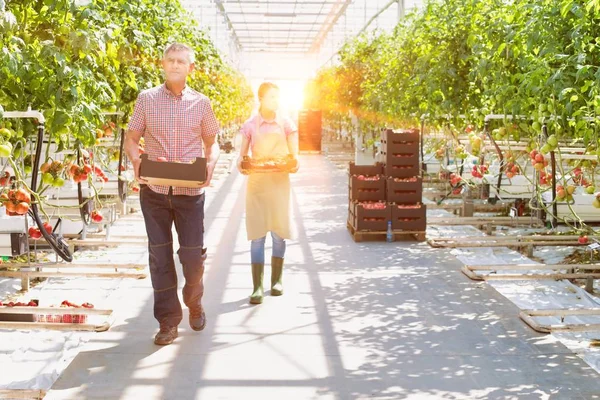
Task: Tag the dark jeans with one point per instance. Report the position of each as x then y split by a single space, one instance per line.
187 212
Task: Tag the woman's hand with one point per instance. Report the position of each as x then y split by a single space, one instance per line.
239 166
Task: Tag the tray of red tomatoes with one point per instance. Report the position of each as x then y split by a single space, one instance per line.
269 164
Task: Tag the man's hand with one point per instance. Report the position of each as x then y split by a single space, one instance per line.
212 150
136 168
206 183
131 147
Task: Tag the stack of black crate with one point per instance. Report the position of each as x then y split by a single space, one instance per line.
400 151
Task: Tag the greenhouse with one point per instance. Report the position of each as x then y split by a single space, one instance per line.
285 199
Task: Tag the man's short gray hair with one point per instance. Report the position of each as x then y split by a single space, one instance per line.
180 47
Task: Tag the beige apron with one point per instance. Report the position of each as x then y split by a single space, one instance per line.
268 194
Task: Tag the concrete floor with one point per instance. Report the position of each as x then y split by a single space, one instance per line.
357 321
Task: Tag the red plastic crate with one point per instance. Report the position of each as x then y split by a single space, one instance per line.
367 190
409 217
405 190
65 318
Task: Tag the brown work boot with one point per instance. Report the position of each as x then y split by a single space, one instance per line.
166 335
197 318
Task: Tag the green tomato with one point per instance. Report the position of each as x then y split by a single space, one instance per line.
545 149
536 126
5 149
58 182
590 189
553 141
6 133
47 178
27 169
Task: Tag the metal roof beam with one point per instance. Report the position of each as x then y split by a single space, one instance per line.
336 12
278 3
277 14
219 4
275 30
267 23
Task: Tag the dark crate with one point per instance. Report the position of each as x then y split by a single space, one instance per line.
174 174
309 130
404 192
367 170
360 218
409 219
9 317
402 171
400 135
400 141
360 190
401 158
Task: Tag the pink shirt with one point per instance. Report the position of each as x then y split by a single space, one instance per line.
173 127
285 125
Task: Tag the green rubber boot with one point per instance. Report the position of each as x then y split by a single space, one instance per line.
258 270
276 276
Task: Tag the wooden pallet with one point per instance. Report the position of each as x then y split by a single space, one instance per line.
484 221
476 207
528 316
71 265
106 243
56 326
471 271
26 276
377 236
24 394
45 274
505 241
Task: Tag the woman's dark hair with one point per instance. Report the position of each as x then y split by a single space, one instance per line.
264 88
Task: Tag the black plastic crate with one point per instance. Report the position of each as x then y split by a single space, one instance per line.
405 190
401 171
367 190
407 140
366 170
364 218
409 217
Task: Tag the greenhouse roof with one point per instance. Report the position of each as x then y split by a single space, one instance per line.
291 26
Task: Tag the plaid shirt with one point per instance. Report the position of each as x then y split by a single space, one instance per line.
173 127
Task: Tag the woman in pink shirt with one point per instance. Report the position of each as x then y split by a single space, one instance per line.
268 135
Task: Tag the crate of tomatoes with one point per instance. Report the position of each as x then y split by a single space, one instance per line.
366 170
269 164
369 215
405 190
400 141
71 317
366 188
409 217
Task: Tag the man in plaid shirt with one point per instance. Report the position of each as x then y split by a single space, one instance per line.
177 123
